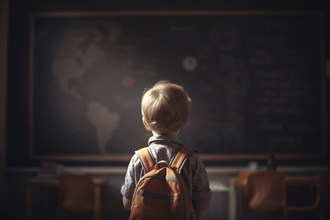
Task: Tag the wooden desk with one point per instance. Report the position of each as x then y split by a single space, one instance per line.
54 182
218 186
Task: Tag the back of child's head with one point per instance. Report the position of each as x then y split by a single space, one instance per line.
165 107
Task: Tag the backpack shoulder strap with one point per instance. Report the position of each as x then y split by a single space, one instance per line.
181 157
146 159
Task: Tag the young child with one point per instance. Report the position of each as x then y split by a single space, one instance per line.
165 110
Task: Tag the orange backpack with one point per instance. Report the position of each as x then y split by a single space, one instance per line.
162 193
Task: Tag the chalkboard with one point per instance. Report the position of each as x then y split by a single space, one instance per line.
256 79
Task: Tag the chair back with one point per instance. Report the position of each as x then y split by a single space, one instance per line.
321 186
264 192
76 193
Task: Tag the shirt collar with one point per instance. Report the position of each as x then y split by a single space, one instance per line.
164 140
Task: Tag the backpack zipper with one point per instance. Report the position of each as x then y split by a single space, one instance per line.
156 195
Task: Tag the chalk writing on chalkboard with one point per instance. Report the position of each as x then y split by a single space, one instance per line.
256 81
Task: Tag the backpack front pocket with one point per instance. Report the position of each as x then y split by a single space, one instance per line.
154 195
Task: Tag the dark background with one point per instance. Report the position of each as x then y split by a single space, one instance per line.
17 167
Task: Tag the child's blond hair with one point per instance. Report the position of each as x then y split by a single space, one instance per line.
165 108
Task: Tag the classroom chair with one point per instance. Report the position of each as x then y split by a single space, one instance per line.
264 193
321 187
76 196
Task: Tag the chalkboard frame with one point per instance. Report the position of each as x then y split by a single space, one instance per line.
216 156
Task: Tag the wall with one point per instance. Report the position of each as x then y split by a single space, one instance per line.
3 73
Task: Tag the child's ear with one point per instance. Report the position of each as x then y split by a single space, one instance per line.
145 124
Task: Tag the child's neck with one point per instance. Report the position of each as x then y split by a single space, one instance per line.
172 135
